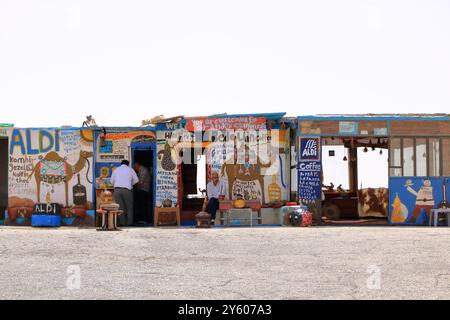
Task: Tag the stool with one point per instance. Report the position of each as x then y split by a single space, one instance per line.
109 219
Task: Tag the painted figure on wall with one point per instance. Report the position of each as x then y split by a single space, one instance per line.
54 169
424 200
240 175
166 158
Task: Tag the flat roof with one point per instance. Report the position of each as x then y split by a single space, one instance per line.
381 116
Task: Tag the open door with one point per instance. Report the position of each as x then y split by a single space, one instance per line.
143 161
3 177
193 180
355 178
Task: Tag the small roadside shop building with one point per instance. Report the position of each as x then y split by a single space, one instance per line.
69 166
394 168
135 144
251 153
53 165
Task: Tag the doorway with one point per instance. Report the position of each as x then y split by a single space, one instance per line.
193 182
355 179
143 163
3 177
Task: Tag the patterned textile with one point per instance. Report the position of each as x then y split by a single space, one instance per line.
52 168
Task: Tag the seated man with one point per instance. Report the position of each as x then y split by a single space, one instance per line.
215 190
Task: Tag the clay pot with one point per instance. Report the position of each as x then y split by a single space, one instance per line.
167 203
239 203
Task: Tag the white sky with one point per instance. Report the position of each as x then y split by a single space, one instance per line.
124 61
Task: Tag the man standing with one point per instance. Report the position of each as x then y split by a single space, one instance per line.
142 193
215 190
123 180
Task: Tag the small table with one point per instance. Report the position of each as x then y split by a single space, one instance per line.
434 215
254 205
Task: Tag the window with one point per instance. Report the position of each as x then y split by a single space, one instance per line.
446 157
408 157
421 158
418 157
434 162
395 157
335 166
372 168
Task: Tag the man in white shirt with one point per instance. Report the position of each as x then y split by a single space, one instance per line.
124 178
215 190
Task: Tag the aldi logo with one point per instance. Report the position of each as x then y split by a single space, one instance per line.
309 149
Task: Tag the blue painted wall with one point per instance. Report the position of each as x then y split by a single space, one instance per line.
405 207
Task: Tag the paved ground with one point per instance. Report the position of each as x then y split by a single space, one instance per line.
233 263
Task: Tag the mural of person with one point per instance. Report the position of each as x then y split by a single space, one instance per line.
424 199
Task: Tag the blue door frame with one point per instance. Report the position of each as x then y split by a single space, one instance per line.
146 146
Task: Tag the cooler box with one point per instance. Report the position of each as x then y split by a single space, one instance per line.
45 220
46 215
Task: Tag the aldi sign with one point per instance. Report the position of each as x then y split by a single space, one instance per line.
309 149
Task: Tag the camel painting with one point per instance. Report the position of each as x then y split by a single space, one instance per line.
54 169
245 172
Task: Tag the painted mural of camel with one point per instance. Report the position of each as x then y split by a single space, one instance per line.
54 169
243 172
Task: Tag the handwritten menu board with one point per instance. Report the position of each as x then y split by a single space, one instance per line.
166 187
309 169
167 171
310 187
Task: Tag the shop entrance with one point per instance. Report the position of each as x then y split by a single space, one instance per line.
143 163
3 177
193 180
355 180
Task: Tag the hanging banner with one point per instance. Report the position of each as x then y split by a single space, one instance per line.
231 123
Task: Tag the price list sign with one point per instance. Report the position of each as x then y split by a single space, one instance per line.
309 169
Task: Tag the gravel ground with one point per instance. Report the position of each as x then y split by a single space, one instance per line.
227 263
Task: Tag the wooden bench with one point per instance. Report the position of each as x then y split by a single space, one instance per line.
225 206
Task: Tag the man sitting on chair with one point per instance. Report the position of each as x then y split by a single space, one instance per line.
215 190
